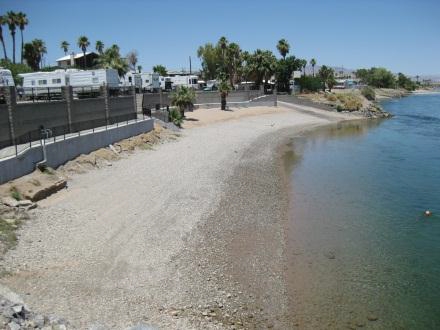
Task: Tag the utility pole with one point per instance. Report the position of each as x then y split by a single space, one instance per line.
190 72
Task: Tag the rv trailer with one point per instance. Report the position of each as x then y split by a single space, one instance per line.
187 81
42 85
150 82
6 78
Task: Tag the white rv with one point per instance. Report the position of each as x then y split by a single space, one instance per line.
150 82
45 84
188 81
130 79
6 78
95 78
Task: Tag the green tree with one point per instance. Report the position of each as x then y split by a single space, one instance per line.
377 77
313 63
160 69
3 22
233 62
12 22
303 66
99 46
405 82
33 53
210 58
183 98
284 70
327 75
83 42
283 47
261 65
65 46
139 67
111 59
15 69
22 22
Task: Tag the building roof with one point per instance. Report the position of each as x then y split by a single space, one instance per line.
79 55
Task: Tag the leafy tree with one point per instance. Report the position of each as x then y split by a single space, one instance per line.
3 22
283 47
327 75
12 22
99 46
310 84
183 98
111 59
65 46
405 82
132 58
15 69
377 77
83 42
284 70
369 93
160 69
22 21
210 58
313 63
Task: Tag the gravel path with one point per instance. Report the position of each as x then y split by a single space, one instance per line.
189 235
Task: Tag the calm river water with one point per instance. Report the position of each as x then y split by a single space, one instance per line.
362 253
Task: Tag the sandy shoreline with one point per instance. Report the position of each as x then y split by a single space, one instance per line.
190 235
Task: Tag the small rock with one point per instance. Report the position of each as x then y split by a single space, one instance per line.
9 201
23 203
13 326
205 313
372 317
229 295
174 313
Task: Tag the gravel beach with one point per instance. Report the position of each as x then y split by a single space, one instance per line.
190 235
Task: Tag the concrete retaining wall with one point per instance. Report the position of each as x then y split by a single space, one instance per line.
60 152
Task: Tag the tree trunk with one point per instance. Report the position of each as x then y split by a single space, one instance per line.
22 46
223 97
313 68
85 59
13 47
4 48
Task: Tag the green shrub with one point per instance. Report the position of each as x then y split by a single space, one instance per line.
369 93
310 84
176 117
15 194
349 102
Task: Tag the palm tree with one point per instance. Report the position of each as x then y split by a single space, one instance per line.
83 43
11 21
3 22
22 21
303 65
65 47
40 49
283 47
224 89
99 47
183 98
160 69
111 59
313 63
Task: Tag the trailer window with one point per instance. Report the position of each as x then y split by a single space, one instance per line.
42 82
147 81
33 82
56 81
129 79
95 80
194 81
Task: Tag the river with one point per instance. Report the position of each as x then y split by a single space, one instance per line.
361 251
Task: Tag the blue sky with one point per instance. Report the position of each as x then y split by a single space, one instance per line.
402 35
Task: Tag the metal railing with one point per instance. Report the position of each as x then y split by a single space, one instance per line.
42 135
